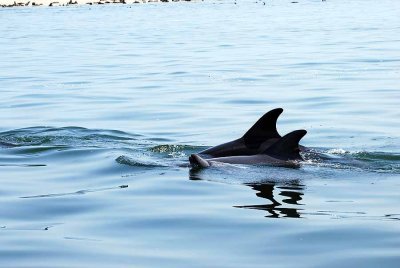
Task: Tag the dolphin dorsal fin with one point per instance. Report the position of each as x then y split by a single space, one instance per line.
263 129
287 147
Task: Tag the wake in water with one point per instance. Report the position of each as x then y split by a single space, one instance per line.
143 152
66 136
358 160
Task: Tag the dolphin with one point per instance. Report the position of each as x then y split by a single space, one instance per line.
259 137
284 152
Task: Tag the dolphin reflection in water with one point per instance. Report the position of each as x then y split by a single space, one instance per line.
291 192
278 198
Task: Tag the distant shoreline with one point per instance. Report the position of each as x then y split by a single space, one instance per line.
35 3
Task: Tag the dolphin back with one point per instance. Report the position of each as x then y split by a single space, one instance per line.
263 130
287 147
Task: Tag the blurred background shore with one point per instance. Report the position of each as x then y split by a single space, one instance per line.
21 3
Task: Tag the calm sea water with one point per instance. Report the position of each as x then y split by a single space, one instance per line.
101 106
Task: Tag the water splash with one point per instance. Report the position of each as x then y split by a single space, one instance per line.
175 150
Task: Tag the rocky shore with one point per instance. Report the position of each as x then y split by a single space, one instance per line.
36 3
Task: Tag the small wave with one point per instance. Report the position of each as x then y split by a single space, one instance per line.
395 157
39 149
80 192
4 144
365 155
66 136
125 160
380 162
23 165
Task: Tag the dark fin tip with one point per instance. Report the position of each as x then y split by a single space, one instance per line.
287 147
263 129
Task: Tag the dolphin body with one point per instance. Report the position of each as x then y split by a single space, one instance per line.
283 152
256 140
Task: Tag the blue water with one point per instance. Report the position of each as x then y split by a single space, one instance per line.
101 105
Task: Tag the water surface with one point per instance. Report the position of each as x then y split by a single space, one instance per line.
101 106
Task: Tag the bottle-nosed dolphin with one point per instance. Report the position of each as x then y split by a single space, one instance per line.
258 138
284 152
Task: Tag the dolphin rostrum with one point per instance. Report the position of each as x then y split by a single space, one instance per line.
284 152
259 137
